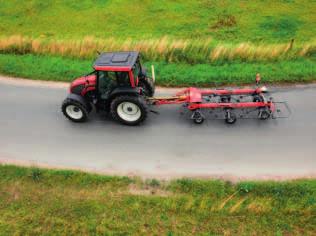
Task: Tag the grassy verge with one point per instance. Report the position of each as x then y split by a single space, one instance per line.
168 74
38 201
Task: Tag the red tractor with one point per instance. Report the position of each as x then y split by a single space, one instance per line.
119 85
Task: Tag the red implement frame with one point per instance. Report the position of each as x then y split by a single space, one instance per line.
194 98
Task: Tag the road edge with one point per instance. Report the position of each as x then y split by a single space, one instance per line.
164 176
17 81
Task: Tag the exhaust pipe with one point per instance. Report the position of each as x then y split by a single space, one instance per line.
153 72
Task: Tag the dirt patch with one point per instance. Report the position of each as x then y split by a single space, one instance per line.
148 191
225 21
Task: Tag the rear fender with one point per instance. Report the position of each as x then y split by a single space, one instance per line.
124 90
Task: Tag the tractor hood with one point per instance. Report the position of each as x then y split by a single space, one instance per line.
79 84
88 79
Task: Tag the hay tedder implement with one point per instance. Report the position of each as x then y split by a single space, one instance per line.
119 85
227 104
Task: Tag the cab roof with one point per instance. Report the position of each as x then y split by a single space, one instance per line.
116 61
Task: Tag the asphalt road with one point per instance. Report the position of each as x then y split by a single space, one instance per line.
33 131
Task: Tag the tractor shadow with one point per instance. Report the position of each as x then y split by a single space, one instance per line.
171 117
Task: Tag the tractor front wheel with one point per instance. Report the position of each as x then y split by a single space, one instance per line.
129 110
74 110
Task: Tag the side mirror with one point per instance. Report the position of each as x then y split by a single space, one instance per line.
258 78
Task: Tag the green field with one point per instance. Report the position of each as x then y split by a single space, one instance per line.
227 20
192 42
60 202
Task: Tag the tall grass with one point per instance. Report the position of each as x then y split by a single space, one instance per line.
162 49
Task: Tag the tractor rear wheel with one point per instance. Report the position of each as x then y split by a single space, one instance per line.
74 110
129 110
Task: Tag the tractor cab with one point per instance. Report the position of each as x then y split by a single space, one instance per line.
117 70
121 71
107 81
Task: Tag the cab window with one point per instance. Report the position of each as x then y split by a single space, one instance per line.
122 78
106 82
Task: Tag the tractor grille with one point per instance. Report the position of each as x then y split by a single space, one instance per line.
78 89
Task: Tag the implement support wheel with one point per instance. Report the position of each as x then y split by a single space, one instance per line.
264 114
197 117
230 117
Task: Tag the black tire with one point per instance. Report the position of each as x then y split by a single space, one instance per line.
198 121
148 86
118 105
77 107
258 98
231 119
197 117
264 114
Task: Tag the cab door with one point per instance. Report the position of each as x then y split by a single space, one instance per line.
107 81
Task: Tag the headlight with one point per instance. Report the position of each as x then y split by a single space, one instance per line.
264 89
